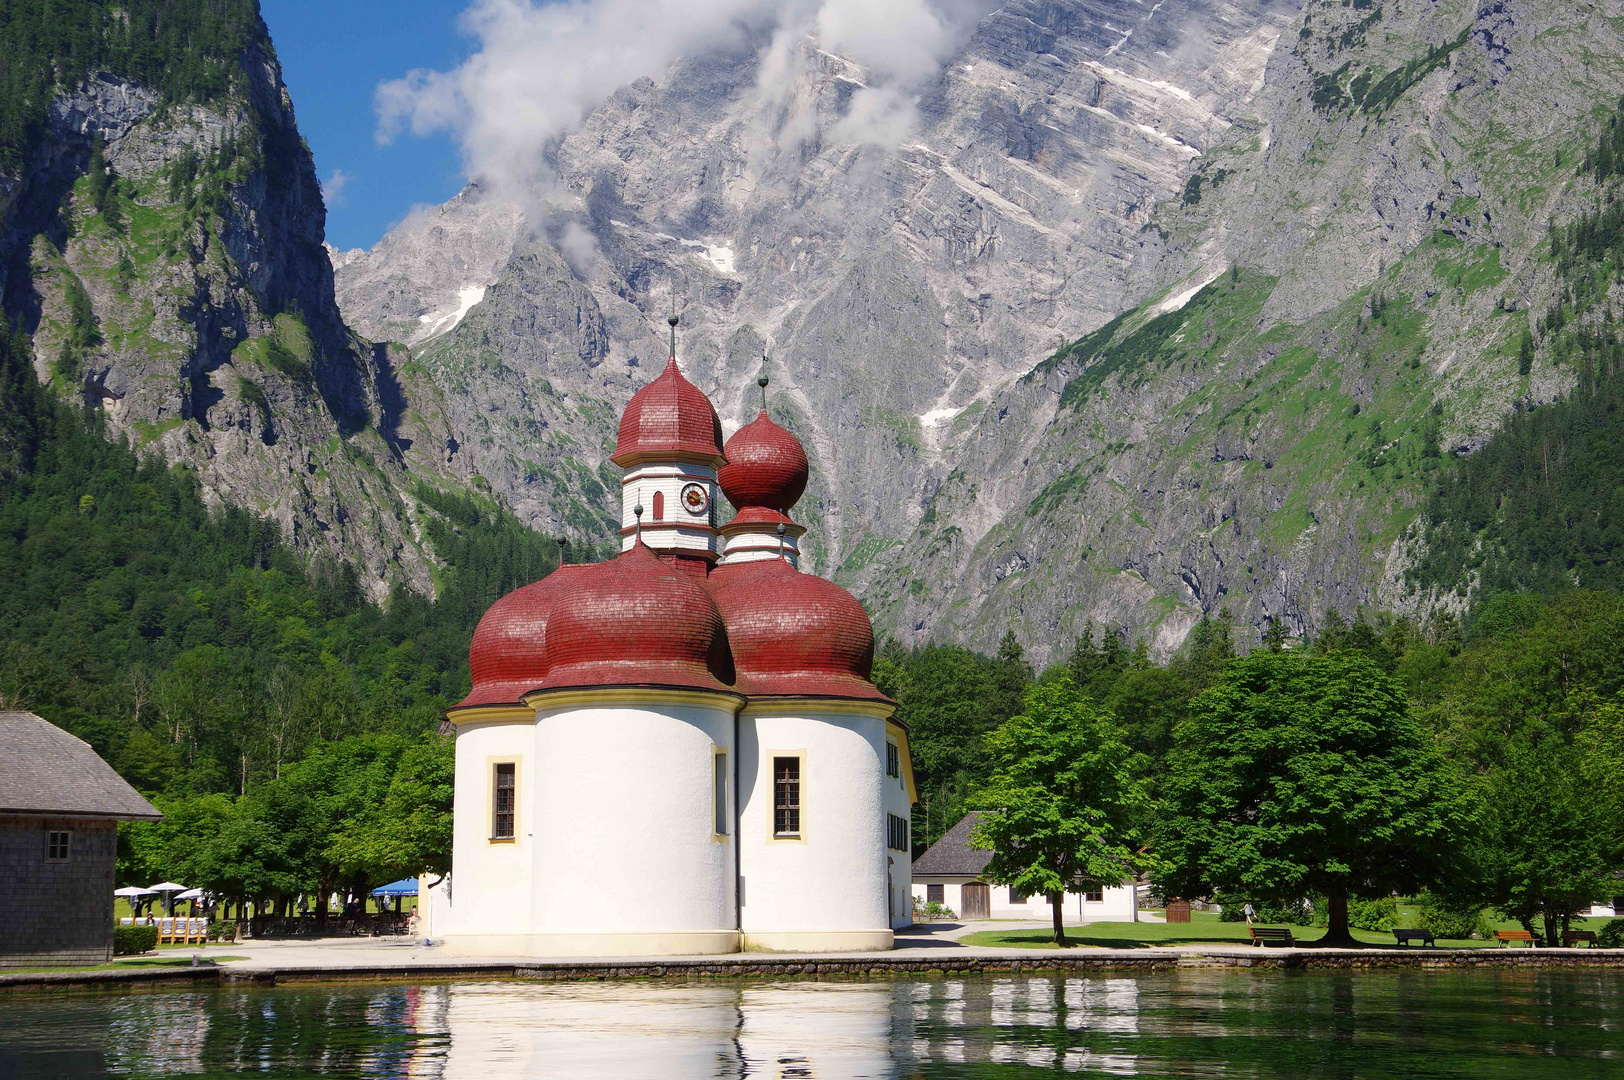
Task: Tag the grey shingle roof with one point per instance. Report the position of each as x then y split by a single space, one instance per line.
952 854
44 770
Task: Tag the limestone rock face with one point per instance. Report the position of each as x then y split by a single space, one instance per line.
194 307
899 289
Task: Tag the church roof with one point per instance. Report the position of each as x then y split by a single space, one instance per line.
670 417
794 634
507 658
766 467
637 621
45 771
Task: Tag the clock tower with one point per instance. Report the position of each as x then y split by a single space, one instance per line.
670 447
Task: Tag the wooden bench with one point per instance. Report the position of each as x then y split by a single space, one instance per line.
1270 935
1506 937
1570 938
1404 934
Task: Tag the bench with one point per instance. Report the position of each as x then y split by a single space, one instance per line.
1506 937
1270 935
1405 934
1570 938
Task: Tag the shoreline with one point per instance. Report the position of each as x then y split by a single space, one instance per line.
844 966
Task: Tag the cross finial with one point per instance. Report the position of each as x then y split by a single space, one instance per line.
563 549
637 512
782 529
671 320
761 381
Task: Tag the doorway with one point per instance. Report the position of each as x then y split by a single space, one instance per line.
976 899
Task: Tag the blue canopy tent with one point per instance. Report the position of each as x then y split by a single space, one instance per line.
395 890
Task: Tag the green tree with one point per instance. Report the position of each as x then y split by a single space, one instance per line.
1306 774
409 831
1060 798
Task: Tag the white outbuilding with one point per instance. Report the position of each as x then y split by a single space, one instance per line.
695 714
952 874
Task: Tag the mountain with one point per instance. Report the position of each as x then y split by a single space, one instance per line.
1289 255
161 243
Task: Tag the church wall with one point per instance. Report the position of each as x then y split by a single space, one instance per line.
490 879
828 889
629 862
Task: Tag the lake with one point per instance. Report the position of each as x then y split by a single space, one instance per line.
1193 1023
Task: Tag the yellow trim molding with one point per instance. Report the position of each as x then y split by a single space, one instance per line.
900 733
631 695
819 941
491 714
879 710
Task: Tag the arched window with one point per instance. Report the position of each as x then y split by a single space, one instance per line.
659 506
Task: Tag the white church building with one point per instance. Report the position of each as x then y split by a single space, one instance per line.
679 750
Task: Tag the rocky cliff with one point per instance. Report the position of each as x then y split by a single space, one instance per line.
166 254
1306 243
899 290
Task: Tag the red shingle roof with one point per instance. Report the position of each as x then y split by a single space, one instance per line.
766 467
507 658
794 634
635 621
670 417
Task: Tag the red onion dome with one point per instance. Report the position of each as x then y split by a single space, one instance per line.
635 621
670 416
766 466
794 634
507 657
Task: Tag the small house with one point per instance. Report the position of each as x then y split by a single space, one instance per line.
60 805
952 873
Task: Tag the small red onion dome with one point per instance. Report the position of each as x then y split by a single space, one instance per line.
635 621
794 634
670 416
506 657
766 466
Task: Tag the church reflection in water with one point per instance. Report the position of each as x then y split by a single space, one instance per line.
829 1031
608 1030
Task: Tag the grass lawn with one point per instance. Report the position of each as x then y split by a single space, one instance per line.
1203 927
122 965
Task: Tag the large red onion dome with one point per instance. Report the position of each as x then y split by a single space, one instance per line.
635 621
794 634
669 417
506 658
766 466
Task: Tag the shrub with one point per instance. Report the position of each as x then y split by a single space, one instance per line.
1611 936
1450 918
134 940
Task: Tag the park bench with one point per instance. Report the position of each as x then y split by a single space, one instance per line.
1404 934
1506 937
1270 935
1570 938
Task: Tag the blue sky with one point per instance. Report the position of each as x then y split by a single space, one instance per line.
333 55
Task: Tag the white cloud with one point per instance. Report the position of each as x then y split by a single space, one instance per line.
541 67
332 189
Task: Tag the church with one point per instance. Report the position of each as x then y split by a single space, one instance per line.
679 750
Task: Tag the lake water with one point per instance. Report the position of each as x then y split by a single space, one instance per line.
1196 1024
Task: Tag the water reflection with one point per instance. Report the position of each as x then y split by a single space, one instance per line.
1421 1024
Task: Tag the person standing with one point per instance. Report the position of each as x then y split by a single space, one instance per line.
1248 912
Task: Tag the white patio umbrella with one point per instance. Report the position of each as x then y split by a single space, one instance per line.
168 887
190 894
131 891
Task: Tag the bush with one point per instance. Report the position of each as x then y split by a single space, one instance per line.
1451 918
134 940
1611 936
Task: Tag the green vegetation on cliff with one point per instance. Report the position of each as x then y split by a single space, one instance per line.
187 50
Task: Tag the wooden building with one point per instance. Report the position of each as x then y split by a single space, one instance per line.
60 805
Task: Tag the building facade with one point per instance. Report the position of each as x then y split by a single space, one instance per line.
60 805
694 716
952 873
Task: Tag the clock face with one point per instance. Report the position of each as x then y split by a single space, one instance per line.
695 499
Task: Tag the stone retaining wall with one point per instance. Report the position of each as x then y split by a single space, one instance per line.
876 966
